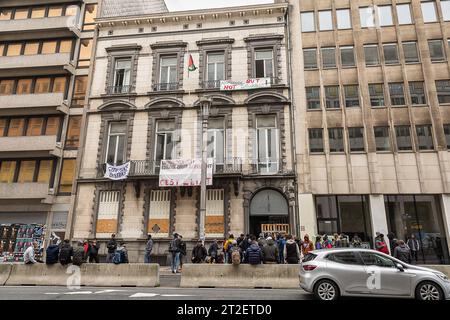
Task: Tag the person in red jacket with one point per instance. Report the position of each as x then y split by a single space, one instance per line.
86 248
380 243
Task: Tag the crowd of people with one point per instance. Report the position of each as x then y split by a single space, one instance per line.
268 248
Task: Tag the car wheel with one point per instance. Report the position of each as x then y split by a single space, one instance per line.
326 290
429 291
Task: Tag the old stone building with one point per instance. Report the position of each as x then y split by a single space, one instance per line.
371 97
45 51
145 107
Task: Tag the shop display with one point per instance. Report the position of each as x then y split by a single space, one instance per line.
16 238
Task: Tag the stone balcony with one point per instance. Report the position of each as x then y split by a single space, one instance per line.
37 146
30 190
54 27
40 103
56 63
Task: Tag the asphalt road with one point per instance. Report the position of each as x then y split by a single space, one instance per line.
160 293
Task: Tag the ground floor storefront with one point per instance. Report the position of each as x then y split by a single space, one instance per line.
421 219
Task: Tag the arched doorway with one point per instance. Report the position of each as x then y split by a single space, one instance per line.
269 212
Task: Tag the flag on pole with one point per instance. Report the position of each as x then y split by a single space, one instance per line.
191 66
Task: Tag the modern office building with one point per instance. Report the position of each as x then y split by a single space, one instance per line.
372 96
45 51
153 74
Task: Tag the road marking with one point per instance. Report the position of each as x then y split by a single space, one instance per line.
109 291
177 295
79 292
144 295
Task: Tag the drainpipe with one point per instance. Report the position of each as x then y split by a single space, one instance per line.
292 118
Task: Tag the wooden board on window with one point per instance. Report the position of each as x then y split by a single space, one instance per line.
106 226
214 225
163 224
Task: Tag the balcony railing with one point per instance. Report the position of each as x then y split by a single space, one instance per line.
171 86
211 84
119 89
145 168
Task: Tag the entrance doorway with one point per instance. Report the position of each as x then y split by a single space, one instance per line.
269 213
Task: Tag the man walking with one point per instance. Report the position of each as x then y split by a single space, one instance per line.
112 246
174 249
148 249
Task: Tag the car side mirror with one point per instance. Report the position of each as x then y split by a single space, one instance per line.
400 267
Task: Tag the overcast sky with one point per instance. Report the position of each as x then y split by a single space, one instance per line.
179 5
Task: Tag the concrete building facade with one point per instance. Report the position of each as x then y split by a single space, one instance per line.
144 107
45 48
371 95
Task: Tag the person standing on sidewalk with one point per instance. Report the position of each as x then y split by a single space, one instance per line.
93 252
65 253
112 246
78 254
414 246
270 252
182 251
291 251
174 249
148 249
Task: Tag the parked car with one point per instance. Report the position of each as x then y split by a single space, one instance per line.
332 273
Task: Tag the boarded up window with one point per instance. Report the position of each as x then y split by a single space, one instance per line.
67 176
214 222
159 215
108 210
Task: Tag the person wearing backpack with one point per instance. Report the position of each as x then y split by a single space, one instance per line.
291 251
52 254
65 253
78 254
174 249
112 246
253 254
199 253
121 254
270 252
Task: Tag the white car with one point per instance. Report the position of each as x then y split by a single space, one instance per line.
331 273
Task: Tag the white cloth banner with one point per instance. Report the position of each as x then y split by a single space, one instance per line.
117 172
249 84
184 172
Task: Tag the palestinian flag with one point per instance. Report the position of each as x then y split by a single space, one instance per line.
191 66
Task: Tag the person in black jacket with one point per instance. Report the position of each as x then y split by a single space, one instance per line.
182 251
199 253
93 252
253 254
52 254
112 246
213 251
65 253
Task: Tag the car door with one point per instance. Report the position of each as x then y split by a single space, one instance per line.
383 277
349 270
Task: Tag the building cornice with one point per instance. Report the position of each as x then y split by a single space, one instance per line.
195 15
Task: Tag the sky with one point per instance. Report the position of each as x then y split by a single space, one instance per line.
180 5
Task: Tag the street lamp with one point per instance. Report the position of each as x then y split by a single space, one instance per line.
205 105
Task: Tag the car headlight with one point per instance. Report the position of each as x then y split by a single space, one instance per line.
442 276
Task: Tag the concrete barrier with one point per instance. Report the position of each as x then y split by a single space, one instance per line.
96 275
445 269
5 271
240 276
